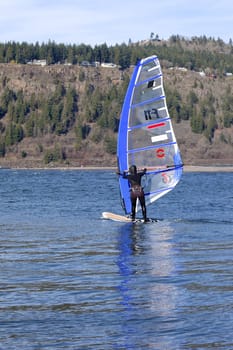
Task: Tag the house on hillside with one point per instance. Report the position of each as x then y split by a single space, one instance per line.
108 65
38 62
85 64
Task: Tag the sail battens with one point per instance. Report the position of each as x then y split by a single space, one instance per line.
159 191
166 168
157 98
151 147
151 79
153 68
148 124
146 137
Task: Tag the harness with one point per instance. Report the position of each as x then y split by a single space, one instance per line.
136 191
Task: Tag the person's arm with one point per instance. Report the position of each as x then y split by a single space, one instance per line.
143 171
122 174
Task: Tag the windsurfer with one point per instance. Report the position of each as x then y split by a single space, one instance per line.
136 191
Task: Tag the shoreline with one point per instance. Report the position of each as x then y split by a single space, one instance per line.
187 168
208 168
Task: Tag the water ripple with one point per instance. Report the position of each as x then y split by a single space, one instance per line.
70 280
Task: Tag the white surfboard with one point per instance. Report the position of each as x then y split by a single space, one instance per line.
115 217
122 218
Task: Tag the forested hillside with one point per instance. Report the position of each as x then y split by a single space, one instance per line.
66 112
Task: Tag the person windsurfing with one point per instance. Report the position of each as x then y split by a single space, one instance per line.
136 191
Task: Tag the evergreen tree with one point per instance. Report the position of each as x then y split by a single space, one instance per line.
197 123
7 97
70 109
211 127
14 134
2 148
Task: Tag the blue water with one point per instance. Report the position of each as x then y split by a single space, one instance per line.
71 280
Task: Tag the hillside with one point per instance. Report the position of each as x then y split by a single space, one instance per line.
90 139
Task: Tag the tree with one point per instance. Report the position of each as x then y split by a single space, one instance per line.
197 123
2 149
227 107
7 97
14 134
211 127
54 155
110 144
71 55
192 99
29 128
125 57
70 108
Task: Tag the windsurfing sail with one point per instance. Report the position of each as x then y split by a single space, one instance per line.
146 137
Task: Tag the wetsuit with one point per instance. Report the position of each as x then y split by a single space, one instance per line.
136 191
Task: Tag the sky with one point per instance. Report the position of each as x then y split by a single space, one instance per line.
113 22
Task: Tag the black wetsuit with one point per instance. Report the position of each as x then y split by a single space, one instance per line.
136 192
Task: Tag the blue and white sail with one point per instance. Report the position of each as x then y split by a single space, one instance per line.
146 137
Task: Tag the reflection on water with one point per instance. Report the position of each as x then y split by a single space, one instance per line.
128 247
163 267
148 292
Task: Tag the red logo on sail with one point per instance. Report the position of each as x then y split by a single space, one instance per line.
160 153
166 178
152 126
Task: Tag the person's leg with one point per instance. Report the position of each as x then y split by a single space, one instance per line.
133 204
143 206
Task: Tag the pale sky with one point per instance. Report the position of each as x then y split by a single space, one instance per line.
96 22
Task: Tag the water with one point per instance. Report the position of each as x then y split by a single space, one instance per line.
70 280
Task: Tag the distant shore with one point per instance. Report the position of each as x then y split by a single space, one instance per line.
208 168
187 168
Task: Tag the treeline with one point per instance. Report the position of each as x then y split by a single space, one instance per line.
205 114
94 113
60 112
194 54
64 110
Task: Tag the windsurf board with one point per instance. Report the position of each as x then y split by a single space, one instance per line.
115 217
122 218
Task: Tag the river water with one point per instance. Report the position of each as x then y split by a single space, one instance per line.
71 280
